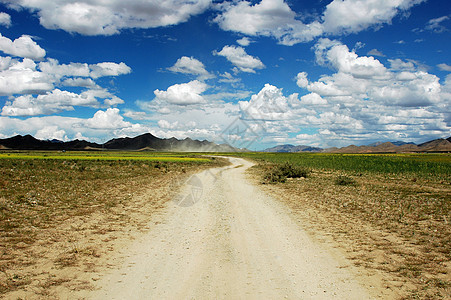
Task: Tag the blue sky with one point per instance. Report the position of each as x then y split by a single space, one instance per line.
250 73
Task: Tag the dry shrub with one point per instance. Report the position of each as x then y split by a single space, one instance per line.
280 173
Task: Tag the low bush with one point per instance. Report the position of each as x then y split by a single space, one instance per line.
280 173
344 180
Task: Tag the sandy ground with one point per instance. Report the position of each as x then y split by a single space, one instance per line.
223 238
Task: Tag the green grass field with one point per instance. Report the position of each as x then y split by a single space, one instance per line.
430 165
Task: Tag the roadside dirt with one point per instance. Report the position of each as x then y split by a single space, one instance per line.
224 238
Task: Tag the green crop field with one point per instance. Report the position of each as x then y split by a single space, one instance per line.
91 155
405 164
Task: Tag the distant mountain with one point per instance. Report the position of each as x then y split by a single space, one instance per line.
28 142
438 145
145 142
397 143
401 143
433 145
292 148
150 142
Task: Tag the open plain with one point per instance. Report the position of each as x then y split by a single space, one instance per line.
166 231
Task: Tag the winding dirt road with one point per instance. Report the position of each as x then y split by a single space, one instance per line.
233 242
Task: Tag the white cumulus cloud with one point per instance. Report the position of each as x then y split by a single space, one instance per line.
364 77
244 41
50 133
109 17
275 18
21 77
109 119
109 69
301 79
23 46
366 100
53 67
51 102
25 76
184 93
239 58
270 104
338 56
81 82
192 66
313 99
267 18
350 16
57 101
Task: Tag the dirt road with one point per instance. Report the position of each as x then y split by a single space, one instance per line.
233 242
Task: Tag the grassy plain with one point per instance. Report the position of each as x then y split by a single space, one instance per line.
62 210
390 212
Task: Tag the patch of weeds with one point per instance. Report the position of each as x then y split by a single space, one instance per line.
280 173
344 180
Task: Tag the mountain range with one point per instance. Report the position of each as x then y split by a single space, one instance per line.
149 142
438 145
144 142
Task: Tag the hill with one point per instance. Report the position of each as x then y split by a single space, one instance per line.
27 142
144 142
292 148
